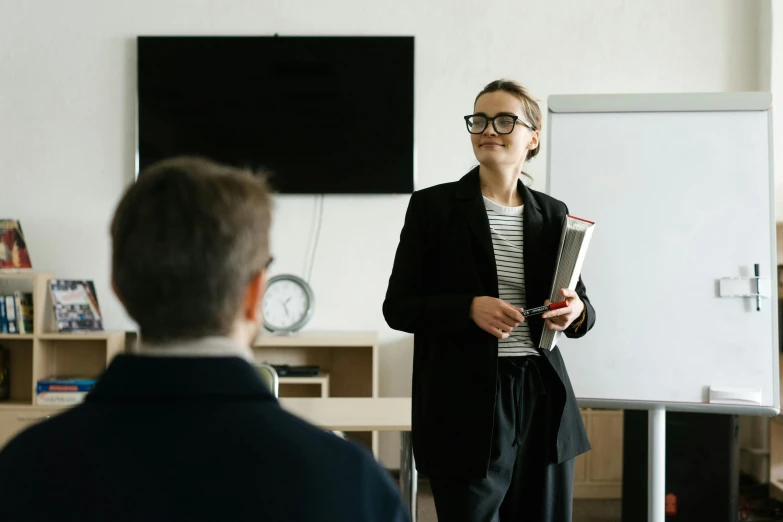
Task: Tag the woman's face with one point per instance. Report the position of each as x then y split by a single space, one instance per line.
502 150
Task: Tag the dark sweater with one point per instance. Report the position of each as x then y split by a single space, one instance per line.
164 438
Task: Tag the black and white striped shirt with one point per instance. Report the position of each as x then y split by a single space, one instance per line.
505 225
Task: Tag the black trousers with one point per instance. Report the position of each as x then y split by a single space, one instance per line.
524 483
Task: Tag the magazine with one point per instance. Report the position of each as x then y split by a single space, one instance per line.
75 306
13 248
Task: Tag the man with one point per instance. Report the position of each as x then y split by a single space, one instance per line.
185 429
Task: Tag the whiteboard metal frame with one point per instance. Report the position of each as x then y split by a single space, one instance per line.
681 102
692 407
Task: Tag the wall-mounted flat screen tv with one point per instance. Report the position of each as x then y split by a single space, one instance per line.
322 115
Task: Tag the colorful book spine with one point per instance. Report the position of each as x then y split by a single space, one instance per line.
24 312
64 386
10 314
3 317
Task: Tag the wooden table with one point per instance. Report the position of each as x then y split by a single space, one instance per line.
365 414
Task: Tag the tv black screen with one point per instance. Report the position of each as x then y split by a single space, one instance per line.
323 115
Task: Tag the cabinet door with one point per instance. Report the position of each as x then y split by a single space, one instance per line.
606 437
15 421
580 463
776 458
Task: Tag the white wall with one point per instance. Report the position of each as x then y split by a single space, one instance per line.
754 431
773 66
67 116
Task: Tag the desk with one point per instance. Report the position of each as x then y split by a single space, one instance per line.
365 414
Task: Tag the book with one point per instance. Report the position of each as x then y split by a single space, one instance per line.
286 370
10 314
13 248
65 384
3 317
24 311
75 306
574 241
59 398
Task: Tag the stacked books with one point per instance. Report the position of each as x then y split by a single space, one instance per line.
62 391
16 313
571 255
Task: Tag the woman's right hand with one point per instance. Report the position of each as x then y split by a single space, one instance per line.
495 316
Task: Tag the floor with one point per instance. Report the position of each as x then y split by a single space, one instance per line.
754 506
584 510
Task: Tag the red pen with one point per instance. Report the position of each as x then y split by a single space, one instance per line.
541 309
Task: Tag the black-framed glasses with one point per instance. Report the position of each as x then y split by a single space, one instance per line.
268 262
502 123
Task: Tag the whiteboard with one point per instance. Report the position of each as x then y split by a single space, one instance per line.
681 189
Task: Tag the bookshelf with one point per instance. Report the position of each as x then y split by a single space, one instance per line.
348 363
43 353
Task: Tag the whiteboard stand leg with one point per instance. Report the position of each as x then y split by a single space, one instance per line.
656 464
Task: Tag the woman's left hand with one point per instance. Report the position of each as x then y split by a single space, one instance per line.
562 318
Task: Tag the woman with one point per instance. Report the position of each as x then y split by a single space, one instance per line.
495 422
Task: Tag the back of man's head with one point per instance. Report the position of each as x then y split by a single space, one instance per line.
187 238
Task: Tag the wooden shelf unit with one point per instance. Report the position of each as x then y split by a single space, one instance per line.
776 457
316 386
348 362
42 354
16 337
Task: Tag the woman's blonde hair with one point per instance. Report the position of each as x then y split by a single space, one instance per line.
529 105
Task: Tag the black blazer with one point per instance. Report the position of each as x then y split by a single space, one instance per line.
444 259
188 439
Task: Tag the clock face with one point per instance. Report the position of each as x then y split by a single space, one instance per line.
287 303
